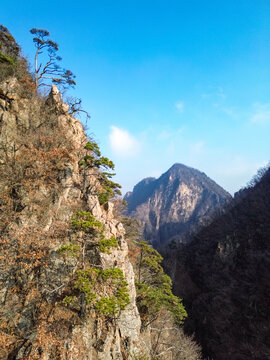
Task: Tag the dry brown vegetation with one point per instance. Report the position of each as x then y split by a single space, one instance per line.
24 249
36 161
42 187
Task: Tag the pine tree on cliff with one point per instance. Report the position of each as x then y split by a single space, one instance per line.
51 71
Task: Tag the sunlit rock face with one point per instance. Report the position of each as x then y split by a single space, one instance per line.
175 205
41 186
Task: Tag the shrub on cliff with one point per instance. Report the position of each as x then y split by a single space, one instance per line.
9 49
12 64
94 159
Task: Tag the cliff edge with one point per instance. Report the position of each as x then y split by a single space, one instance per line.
57 242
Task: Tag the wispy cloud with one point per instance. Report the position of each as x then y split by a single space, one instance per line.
261 115
221 93
123 143
216 93
232 112
180 106
167 134
197 148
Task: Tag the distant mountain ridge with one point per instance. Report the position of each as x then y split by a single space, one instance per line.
174 205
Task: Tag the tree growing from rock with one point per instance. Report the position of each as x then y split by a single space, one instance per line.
51 71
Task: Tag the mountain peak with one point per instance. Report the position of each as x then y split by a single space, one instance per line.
179 166
179 169
178 201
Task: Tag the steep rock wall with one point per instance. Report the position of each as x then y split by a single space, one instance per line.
41 187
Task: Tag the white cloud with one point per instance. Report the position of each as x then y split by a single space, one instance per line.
180 106
261 114
123 143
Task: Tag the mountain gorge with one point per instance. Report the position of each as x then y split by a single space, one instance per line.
174 206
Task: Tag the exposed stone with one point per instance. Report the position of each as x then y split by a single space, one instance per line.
55 99
48 207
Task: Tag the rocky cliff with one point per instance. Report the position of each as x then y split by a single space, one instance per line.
49 217
174 205
67 285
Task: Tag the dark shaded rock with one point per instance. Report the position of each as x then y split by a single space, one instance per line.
228 264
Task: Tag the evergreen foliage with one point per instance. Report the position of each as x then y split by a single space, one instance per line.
154 287
70 250
106 244
6 59
93 159
86 222
105 290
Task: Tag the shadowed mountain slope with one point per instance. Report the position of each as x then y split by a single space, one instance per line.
228 262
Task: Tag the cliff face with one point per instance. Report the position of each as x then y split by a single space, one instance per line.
175 205
228 263
42 187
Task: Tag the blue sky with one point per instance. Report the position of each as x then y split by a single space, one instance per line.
165 81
